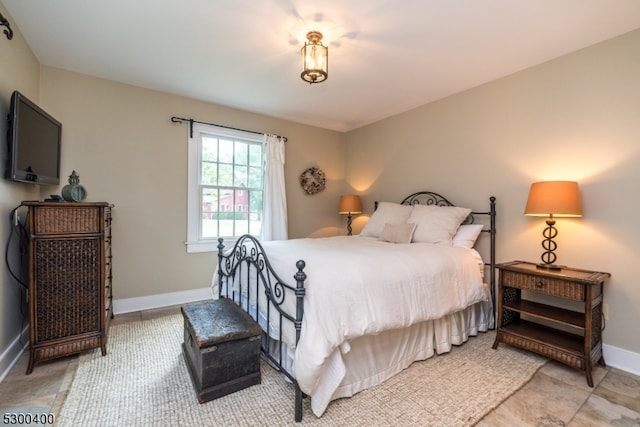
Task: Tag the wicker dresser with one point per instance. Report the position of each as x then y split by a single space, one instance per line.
70 298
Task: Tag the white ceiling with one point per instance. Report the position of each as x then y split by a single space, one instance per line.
385 56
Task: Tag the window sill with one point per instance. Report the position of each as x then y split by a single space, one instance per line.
209 246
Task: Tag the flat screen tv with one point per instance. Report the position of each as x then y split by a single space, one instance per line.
34 139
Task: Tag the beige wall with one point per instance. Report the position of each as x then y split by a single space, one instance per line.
574 118
19 70
121 142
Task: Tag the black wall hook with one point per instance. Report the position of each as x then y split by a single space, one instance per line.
4 23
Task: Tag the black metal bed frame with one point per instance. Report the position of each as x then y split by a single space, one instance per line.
249 261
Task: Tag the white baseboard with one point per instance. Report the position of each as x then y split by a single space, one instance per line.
622 359
11 355
128 305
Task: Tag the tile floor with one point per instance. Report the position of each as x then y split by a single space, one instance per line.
556 395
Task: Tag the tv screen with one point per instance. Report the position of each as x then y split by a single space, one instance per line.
34 143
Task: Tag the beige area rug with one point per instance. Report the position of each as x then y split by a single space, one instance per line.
143 381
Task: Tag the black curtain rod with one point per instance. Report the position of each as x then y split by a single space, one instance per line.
175 119
5 23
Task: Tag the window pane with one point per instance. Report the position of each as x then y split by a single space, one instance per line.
255 203
255 155
240 176
209 209
226 151
255 178
242 225
225 175
209 148
209 173
255 212
227 213
242 152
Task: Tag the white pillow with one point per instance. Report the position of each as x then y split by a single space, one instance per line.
387 213
467 235
397 233
436 224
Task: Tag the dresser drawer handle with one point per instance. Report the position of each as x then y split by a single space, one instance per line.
540 284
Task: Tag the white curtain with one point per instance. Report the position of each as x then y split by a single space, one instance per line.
274 223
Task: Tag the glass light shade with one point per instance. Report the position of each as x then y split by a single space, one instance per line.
554 198
315 57
350 204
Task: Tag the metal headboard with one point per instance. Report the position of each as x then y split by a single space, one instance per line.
435 199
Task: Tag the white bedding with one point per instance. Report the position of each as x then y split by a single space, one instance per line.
358 287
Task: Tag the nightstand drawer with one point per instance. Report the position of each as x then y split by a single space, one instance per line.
545 285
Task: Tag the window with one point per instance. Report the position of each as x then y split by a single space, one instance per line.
225 186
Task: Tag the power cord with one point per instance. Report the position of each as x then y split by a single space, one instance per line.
19 229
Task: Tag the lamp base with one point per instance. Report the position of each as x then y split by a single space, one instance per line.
544 266
349 229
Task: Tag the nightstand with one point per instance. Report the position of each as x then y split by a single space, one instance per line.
570 337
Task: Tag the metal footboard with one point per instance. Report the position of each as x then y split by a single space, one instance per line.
246 276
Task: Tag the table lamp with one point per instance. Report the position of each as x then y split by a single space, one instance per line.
553 199
349 205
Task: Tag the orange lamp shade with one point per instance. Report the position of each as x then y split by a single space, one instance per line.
554 198
350 204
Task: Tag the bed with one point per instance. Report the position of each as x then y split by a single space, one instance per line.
342 314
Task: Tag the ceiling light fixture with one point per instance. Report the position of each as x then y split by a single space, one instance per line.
315 57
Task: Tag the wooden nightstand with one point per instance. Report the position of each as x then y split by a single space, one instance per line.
520 320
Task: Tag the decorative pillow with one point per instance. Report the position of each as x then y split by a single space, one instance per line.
467 235
436 224
397 233
387 213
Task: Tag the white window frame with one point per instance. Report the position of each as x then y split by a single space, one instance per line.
196 243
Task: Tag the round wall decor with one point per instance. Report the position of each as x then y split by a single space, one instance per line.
312 180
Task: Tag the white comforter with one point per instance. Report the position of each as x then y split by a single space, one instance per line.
358 286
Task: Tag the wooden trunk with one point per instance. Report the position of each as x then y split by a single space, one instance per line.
221 348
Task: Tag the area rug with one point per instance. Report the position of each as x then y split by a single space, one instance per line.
143 381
